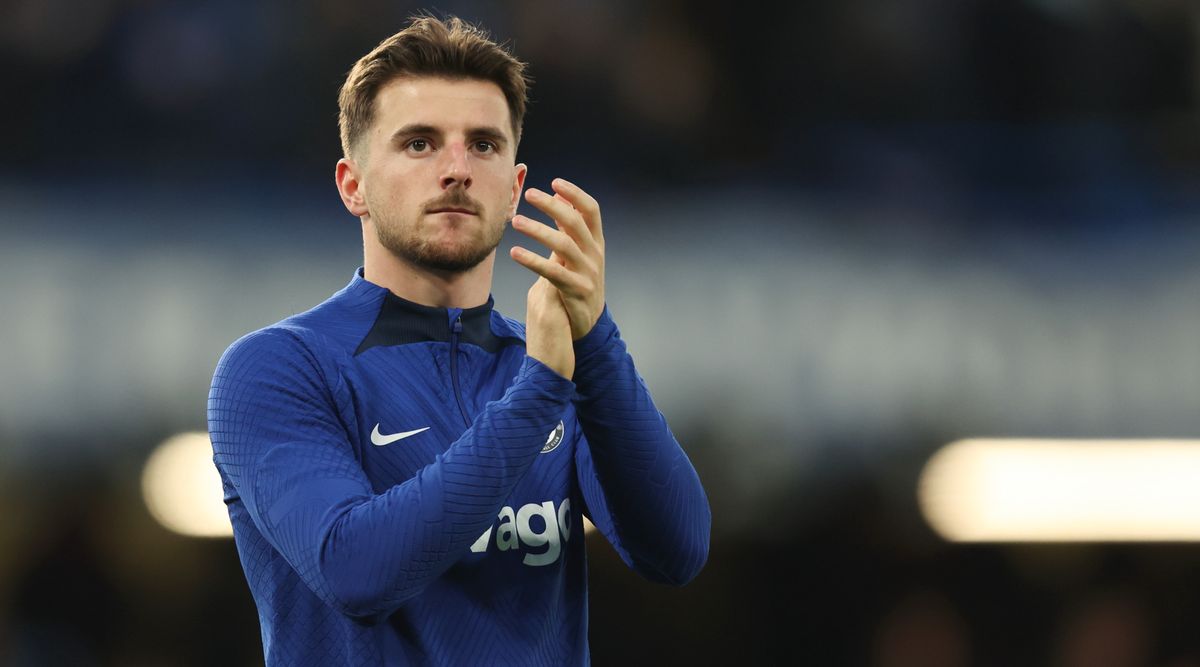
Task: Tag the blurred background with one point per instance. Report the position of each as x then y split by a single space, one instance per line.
841 235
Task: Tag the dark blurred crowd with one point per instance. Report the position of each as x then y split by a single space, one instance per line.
916 103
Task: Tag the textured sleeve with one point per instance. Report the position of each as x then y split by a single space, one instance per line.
639 486
279 437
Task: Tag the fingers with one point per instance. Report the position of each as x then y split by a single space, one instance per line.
558 275
576 264
587 205
566 216
564 246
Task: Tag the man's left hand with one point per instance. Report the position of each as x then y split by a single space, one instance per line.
576 263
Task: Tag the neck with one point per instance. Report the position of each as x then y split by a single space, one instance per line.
428 287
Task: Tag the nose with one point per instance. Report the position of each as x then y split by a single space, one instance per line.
456 167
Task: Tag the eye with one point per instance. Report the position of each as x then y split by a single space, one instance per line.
485 147
418 146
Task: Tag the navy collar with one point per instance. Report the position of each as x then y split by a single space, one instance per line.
402 322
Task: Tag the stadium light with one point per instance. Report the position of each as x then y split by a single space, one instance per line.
1024 490
182 489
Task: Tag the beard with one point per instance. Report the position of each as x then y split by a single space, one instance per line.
405 240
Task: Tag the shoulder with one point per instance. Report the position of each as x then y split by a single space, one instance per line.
306 348
277 341
317 338
276 371
277 351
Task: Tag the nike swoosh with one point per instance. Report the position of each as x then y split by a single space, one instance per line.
378 439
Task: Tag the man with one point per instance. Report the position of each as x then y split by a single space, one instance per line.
407 470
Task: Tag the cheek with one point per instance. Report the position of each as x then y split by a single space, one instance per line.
392 189
500 189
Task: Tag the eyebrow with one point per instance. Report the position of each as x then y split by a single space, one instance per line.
493 134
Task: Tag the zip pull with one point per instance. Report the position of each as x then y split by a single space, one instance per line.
456 327
454 319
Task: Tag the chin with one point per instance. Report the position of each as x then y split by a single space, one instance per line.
447 246
452 257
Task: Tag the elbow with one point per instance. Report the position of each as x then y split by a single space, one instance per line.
688 558
682 576
692 542
694 553
351 593
695 557
351 583
686 567
353 599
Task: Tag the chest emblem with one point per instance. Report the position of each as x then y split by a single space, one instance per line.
379 440
555 437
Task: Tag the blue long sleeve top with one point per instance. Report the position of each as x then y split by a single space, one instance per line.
406 486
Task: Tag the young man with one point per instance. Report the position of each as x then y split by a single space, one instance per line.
406 469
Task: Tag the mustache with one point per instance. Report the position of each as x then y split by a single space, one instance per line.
454 198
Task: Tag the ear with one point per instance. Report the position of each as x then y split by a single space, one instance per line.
518 185
349 187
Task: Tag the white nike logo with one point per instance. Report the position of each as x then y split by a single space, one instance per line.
378 439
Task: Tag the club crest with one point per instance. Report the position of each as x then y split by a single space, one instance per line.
555 437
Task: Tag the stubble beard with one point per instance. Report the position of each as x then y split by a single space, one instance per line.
405 240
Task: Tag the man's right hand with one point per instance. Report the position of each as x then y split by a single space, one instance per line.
548 329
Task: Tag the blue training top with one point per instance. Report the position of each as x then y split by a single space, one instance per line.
406 486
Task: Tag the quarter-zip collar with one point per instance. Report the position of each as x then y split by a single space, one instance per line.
401 321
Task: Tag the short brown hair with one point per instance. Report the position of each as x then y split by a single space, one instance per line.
429 46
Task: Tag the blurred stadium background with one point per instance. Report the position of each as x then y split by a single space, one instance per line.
841 235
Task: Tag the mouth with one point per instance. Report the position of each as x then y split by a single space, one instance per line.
452 209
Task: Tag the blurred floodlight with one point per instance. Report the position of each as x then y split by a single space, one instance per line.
182 488
1063 491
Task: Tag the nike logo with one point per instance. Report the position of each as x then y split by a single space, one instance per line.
378 439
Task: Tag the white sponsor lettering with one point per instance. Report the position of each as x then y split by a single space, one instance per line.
539 527
505 534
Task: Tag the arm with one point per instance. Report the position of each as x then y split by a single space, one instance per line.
279 437
641 488
643 493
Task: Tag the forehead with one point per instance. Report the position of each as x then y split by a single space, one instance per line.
446 104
